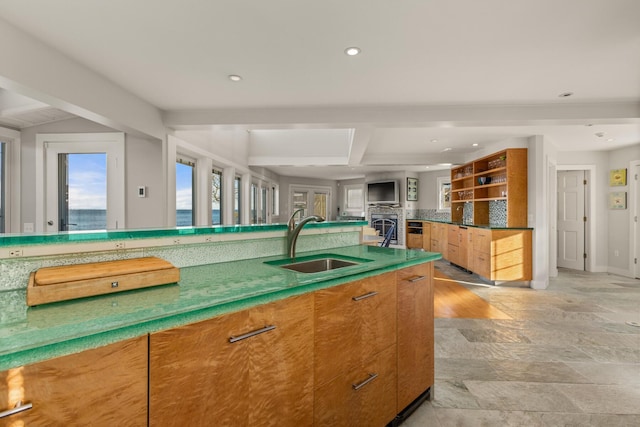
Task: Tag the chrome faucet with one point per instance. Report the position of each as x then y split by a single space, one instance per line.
293 230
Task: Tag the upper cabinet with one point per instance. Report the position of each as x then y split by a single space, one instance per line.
496 187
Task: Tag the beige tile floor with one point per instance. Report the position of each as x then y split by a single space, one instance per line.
567 358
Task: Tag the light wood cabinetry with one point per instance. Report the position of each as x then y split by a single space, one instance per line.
458 241
503 254
106 386
439 238
501 176
248 368
355 352
361 397
415 332
418 235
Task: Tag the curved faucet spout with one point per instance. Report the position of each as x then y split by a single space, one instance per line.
293 230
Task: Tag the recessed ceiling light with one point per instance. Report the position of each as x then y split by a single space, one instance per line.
475 144
447 149
610 140
235 77
565 94
427 167
434 140
352 51
445 164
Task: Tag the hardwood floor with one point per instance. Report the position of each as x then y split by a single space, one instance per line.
452 300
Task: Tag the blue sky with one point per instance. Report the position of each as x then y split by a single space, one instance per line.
87 181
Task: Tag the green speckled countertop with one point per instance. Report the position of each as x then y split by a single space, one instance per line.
203 292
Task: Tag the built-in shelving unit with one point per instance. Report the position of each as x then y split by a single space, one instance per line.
501 176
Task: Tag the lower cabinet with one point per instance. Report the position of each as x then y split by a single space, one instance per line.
350 355
355 353
364 396
106 386
415 333
249 368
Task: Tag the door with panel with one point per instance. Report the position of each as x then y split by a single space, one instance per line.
571 219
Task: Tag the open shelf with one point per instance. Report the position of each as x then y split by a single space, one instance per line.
505 173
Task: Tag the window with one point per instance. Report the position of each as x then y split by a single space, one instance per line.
444 193
263 204
216 197
82 191
254 204
185 173
353 200
275 200
237 206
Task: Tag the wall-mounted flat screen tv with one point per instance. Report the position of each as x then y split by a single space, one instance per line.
385 192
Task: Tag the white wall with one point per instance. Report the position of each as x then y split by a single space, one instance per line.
619 221
428 188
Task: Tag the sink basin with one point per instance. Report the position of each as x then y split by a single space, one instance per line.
318 265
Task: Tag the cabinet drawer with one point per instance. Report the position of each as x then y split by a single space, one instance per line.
481 264
198 376
453 255
482 240
414 241
453 233
364 396
106 386
352 323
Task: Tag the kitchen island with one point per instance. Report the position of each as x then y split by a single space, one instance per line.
120 333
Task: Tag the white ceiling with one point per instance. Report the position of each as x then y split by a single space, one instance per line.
418 56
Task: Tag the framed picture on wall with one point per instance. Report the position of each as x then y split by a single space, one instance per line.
618 200
412 189
618 177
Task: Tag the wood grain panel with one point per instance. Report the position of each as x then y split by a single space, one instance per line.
337 404
415 333
106 386
352 331
197 377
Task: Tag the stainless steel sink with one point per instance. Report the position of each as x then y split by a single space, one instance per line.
318 265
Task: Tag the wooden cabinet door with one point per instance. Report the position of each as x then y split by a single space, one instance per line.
236 369
106 386
415 333
463 236
426 236
414 241
352 323
363 396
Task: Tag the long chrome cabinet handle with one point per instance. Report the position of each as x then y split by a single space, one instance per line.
365 382
16 409
365 296
252 334
417 278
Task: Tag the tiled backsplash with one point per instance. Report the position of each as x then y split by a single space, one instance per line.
497 213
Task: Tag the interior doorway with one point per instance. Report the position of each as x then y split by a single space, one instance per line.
572 219
634 180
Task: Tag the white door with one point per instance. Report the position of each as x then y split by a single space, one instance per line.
52 152
635 229
571 223
314 201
